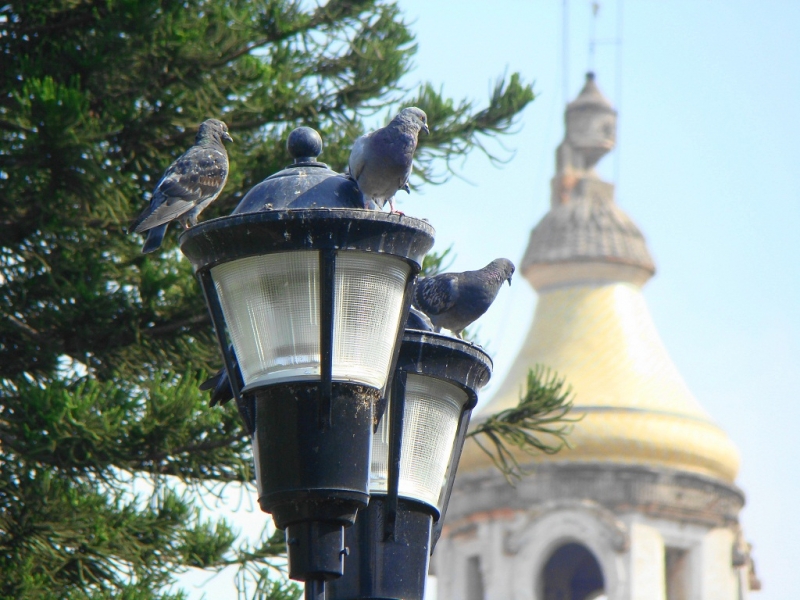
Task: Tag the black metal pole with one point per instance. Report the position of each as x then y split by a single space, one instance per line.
218 320
381 569
327 274
315 589
401 328
396 422
461 435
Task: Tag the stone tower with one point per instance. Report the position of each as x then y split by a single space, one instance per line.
643 506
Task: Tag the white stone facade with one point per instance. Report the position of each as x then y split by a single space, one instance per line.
654 535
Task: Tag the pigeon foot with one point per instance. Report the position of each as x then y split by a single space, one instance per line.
393 210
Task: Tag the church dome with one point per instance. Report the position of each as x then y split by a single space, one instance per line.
633 403
588 260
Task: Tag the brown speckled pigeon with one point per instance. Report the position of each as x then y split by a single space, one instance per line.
381 161
190 184
454 300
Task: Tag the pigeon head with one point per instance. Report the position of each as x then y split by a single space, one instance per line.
414 116
504 269
213 129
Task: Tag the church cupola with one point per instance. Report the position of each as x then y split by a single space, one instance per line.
643 503
591 124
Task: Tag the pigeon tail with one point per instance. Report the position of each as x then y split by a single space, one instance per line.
154 238
138 221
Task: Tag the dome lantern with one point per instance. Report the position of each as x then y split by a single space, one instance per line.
591 124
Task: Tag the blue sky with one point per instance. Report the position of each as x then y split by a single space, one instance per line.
709 100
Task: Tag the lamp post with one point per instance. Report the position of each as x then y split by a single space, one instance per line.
312 294
309 292
415 455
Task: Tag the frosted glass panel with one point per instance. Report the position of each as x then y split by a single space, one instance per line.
271 306
369 297
433 409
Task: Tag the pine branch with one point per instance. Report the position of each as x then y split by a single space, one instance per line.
539 423
24 327
437 262
456 129
174 326
176 452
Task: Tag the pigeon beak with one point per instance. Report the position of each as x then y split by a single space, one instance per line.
227 137
509 281
425 129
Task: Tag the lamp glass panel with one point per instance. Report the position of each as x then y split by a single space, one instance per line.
367 305
271 308
432 412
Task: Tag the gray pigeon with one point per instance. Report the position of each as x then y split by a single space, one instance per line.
454 300
381 161
190 184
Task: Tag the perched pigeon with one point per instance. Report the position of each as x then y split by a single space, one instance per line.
380 161
220 385
190 184
454 300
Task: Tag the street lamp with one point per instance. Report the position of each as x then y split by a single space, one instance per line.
308 294
415 455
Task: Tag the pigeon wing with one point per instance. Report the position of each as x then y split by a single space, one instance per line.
435 295
197 175
358 157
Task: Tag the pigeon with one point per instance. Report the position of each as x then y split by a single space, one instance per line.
454 300
381 161
221 393
190 184
219 384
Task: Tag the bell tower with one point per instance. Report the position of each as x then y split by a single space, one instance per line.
643 505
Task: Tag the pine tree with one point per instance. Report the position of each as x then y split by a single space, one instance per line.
102 348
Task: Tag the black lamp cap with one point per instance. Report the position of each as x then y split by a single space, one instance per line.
305 145
242 235
306 183
445 357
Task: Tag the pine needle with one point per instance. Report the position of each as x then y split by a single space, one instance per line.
538 424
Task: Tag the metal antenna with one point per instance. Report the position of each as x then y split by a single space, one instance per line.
593 34
565 50
616 41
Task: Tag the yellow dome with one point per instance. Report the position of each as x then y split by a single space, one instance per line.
588 260
635 406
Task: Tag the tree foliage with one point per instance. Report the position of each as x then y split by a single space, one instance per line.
539 423
102 348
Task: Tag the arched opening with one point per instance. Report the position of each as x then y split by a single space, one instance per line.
572 573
